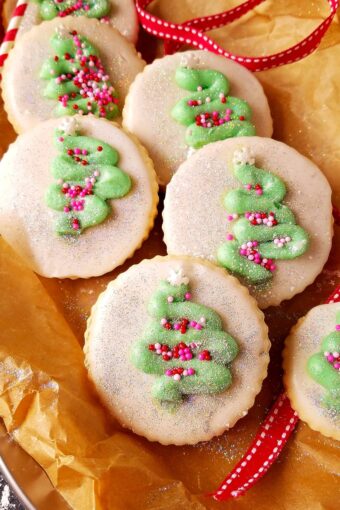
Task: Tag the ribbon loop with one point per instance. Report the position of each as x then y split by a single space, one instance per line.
192 32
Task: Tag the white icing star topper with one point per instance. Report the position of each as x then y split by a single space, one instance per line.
69 126
189 60
243 156
177 277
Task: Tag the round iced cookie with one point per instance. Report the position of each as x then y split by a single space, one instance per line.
78 196
256 207
311 361
119 14
184 101
177 349
68 66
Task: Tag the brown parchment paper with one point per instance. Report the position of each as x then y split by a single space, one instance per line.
47 404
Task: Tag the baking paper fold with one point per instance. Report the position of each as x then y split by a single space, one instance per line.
50 409
48 406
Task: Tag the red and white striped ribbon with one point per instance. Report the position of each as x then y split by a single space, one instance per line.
212 22
269 441
191 32
11 32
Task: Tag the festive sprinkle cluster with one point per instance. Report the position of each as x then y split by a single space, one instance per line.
261 218
215 118
257 188
281 241
77 6
91 80
180 351
183 325
77 193
250 251
178 373
333 358
183 352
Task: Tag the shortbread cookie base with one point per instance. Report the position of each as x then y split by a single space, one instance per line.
154 93
118 319
304 393
22 89
195 220
122 16
28 224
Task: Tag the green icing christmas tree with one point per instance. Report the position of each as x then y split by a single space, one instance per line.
87 177
77 79
184 345
264 229
209 112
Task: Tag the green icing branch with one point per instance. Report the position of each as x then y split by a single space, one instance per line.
265 223
209 112
83 189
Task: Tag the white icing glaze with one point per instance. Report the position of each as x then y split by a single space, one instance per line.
305 394
119 319
22 87
28 224
195 220
147 111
